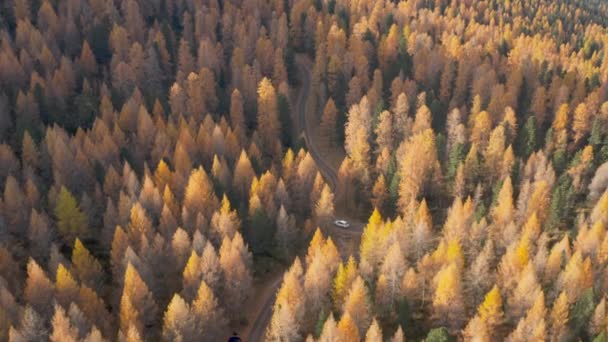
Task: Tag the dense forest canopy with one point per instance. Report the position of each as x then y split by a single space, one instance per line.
153 169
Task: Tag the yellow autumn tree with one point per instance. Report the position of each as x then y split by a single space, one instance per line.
347 329
268 123
418 167
448 305
558 318
490 311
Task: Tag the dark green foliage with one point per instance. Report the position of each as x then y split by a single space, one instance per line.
331 6
320 322
562 204
580 314
595 137
154 80
527 142
437 335
85 111
457 155
290 65
439 112
590 47
560 160
287 135
601 338
404 58
259 233
480 211
98 38
405 318
393 192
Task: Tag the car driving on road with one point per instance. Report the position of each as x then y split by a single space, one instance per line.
342 223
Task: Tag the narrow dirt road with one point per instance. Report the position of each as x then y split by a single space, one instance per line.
326 171
263 301
346 239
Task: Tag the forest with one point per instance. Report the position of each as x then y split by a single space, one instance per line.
172 170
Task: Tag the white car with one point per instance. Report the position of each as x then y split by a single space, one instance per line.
342 223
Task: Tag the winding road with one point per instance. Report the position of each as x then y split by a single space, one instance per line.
341 236
326 171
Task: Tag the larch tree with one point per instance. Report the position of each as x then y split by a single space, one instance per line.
345 276
86 267
94 336
393 268
581 122
235 261
476 330
532 326
200 196
237 115
286 232
324 208
357 134
422 120
181 245
243 175
598 320
39 290
62 329
268 123
66 287
370 254
329 333
209 316
120 243
328 126
374 333
39 234
357 304
95 310
291 292
490 311
317 283
525 293
191 276
210 266
422 230
225 222
576 277
480 131
384 131
401 122
380 193
140 225
71 221
504 210
283 325
558 318
399 336
347 329
138 300
32 327
448 305
479 276
178 321
418 166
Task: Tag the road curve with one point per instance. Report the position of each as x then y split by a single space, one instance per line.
326 171
258 329
264 315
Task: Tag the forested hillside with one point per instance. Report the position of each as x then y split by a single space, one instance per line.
156 167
